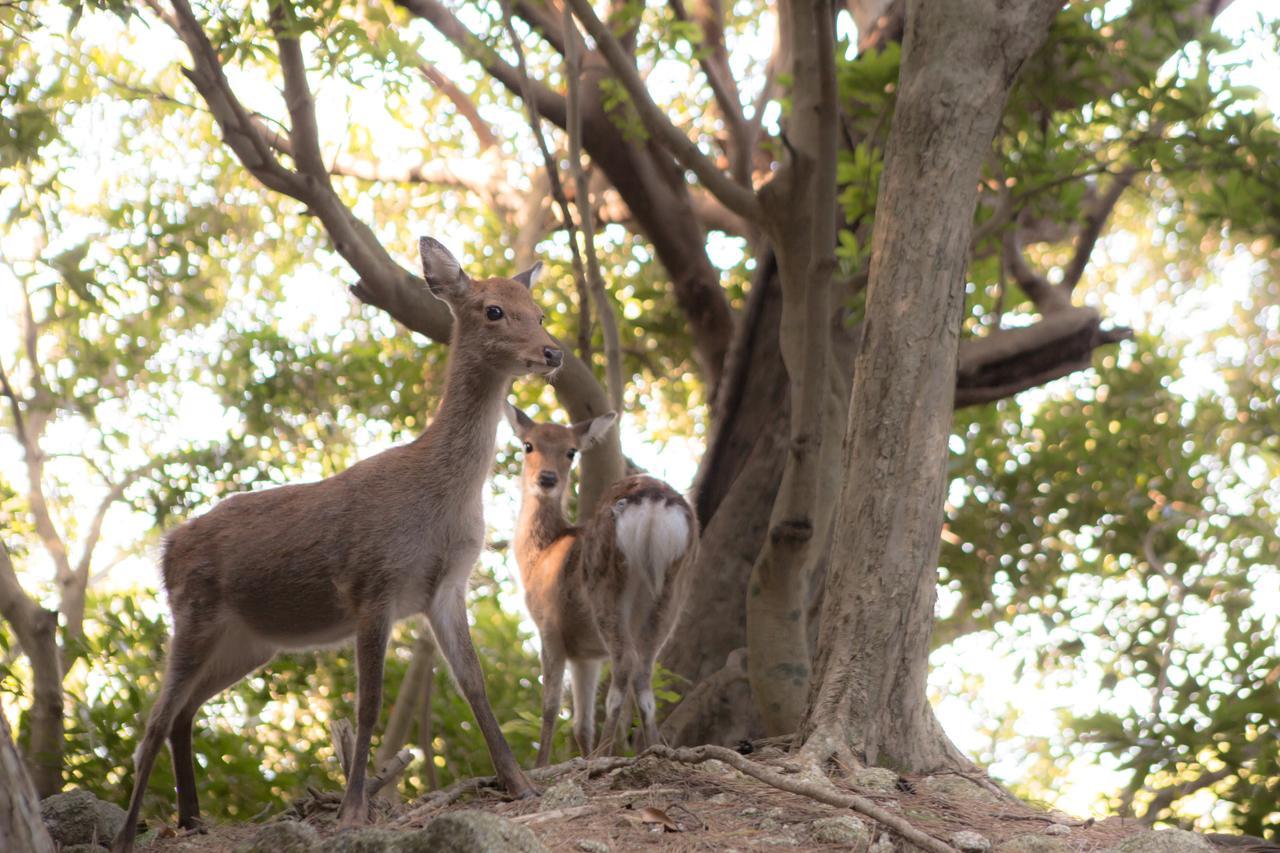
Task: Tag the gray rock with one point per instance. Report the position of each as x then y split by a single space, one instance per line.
473 832
970 842
78 817
1034 844
1165 841
843 829
285 836
587 845
562 795
875 779
884 845
366 839
721 799
1057 829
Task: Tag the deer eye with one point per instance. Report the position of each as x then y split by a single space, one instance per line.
572 453
528 448
493 312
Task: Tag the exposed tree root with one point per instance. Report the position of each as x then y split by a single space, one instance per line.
814 790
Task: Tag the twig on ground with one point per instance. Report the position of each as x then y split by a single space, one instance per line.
822 793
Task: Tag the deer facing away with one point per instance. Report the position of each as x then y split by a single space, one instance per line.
393 535
610 589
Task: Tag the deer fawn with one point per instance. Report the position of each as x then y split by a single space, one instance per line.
611 588
393 535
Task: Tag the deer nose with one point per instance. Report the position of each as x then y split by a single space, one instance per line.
553 356
547 479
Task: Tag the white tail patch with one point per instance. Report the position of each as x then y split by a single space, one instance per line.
651 535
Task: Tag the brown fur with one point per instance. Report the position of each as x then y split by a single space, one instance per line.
312 564
588 603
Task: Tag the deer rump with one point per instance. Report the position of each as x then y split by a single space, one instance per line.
638 542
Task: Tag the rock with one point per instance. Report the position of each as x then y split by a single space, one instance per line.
1034 844
562 795
875 779
721 799
1057 829
1165 841
366 839
644 773
970 842
588 846
949 786
78 817
843 829
884 845
285 836
473 832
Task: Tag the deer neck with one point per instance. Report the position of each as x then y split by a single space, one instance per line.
458 445
542 522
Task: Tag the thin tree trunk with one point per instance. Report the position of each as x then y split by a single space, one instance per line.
867 698
36 629
802 200
20 825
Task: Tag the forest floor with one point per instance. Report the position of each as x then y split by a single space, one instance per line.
657 803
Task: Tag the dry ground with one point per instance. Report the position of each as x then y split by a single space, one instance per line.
659 804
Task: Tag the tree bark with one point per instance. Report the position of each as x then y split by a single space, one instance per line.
20 825
867 698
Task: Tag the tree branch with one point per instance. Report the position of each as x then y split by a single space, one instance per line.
604 311
738 198
714 59
484 133
297 94
548 102
555 185
1091 228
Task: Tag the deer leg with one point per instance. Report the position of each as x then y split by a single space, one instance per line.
230 662
552 694
617 710
448 616
371 652
188 653
585 675
642 685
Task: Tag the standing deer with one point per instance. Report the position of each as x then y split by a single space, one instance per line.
396 534
611 588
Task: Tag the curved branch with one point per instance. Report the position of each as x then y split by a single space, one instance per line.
738 198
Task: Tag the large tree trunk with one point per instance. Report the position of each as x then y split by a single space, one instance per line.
867 698
20 825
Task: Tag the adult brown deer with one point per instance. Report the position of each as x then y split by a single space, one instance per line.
610 589
393 535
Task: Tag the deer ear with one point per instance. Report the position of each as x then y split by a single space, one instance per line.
590 432
443 273
530 276
520 422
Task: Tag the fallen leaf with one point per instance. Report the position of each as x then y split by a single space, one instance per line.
658 816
